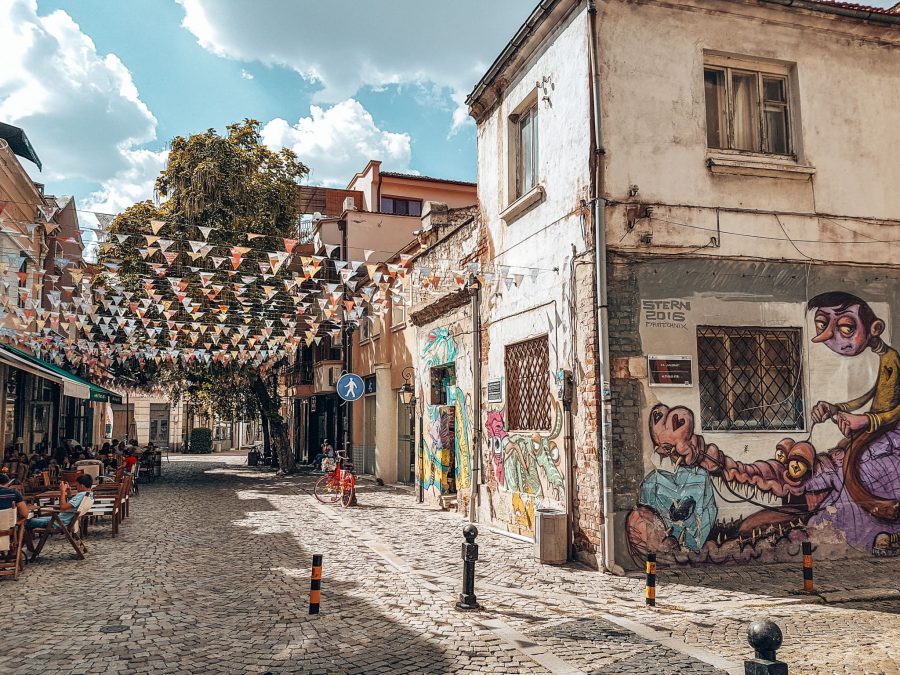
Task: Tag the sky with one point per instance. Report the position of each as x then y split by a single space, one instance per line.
102 86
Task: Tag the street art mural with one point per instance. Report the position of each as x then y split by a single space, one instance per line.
847 496
444 460
525 471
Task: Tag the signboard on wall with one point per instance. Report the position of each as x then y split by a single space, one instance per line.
670 371
495 391
369 381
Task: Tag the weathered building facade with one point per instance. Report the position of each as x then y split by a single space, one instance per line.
737 333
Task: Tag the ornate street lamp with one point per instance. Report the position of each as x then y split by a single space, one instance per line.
407 393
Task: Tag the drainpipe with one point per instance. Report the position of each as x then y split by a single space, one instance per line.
598 202
475 448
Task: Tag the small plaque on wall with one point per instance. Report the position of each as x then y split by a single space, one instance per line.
495 391
670 371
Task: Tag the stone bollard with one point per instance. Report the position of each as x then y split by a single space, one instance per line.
765 638
469 555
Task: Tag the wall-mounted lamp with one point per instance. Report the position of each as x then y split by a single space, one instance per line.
407 393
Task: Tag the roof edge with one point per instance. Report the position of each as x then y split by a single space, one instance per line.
846 10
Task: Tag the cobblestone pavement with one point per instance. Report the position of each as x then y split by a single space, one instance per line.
210 574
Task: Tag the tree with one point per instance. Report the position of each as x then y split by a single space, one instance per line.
225 193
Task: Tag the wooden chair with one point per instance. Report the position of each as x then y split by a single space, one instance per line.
72 531
109 499
92 467
70 476
11 539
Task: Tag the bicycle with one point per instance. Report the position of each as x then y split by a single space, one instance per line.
338 485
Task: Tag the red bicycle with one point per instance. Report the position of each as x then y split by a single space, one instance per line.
338 485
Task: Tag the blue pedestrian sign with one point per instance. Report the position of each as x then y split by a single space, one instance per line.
350 387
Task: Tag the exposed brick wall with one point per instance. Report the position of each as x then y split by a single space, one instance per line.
625 341
587 499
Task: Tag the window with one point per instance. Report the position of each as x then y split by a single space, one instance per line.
398 308
23 281
747 110
526 140
401 207
528 385
750 378
365 326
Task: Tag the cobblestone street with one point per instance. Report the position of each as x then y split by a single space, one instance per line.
210 574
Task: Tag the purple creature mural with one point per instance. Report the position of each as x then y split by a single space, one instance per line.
849 494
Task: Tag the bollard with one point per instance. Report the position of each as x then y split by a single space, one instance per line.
807 567
467 598
765 638
650 592
315 584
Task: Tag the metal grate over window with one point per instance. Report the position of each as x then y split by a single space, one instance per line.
528 385
750 378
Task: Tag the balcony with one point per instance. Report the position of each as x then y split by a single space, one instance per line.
326 375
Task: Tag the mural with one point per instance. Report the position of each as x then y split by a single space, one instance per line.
846 496
524 468
445 461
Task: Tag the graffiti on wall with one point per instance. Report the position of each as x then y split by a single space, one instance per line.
524 469
848 495
444 462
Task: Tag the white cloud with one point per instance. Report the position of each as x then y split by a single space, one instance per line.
129 186
338 141
246 75
80 109
344 45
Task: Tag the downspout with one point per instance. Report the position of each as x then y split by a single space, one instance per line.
602 345
475 448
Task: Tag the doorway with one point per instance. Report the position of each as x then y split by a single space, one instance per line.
159 424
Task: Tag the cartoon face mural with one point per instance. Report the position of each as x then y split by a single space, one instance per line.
525 468
444 462
849 494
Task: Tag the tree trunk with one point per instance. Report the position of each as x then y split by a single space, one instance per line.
267 442
276 426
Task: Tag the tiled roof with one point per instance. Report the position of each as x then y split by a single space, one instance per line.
863 8
415 176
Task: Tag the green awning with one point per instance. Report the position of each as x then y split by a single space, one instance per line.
97 393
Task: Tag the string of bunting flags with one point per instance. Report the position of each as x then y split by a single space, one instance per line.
201 300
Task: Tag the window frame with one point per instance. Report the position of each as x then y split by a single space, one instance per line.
728 67
542 380
730 422
407 200
529 113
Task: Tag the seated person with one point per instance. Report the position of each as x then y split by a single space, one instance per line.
67 505
326 451
11 498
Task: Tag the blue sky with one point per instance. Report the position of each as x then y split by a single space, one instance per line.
106 84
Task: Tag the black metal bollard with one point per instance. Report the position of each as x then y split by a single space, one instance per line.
467 598
765 638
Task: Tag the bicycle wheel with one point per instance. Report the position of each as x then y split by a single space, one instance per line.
348 490
327 490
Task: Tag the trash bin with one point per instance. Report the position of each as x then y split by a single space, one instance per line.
550 536
252 458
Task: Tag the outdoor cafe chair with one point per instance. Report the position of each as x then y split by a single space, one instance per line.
11 538
72 531
110 500
91 467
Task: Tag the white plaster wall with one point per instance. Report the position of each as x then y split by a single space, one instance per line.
847 97
540 243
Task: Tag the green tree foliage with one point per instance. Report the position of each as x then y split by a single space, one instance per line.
214 189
